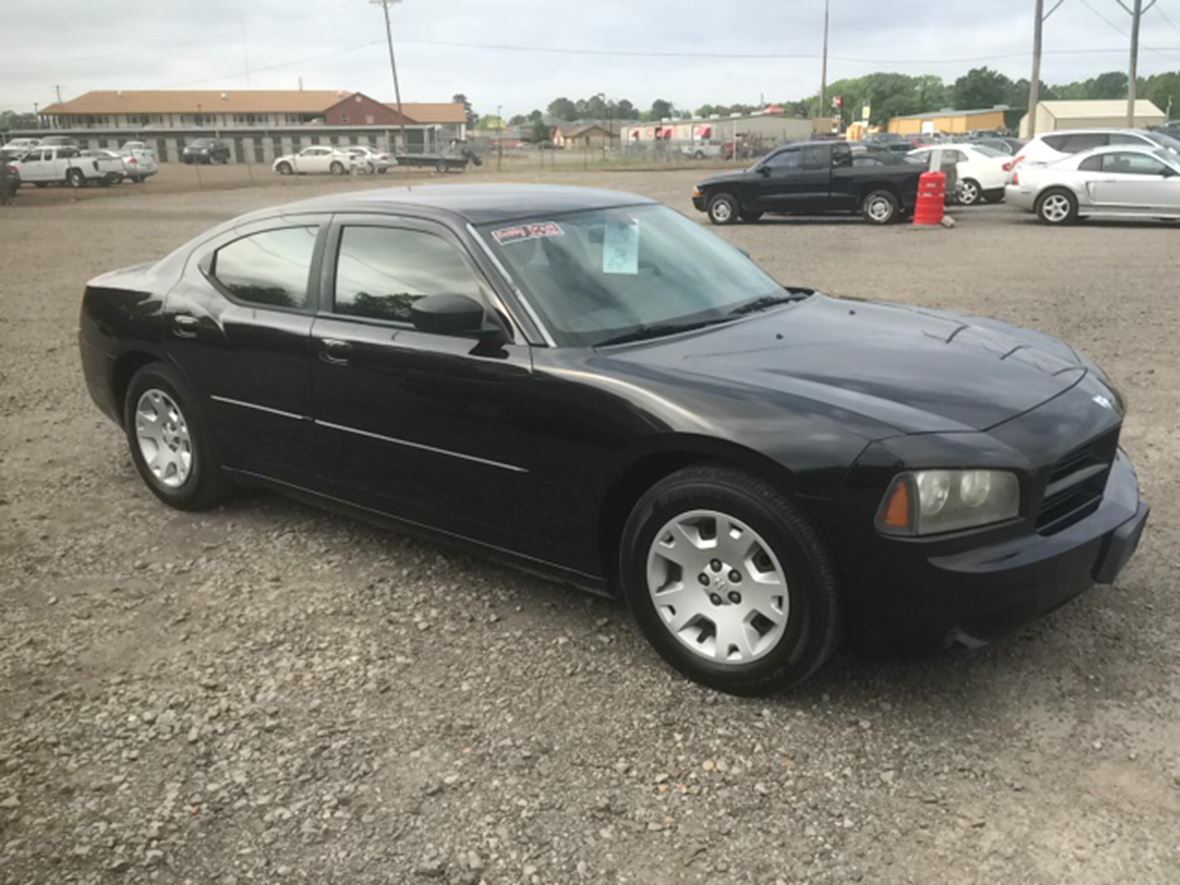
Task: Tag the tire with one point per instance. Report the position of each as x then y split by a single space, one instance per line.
337 168
751 216
699 155
763 656
382 170
75 178
440 166
285 169
137 179
1057 207
197 485
970 192
723 209
880 207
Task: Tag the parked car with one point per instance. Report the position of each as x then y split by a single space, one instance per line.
1121 181
19 145
979 170
108 163
316 159
757 470
60 164
135 146
205 150
699 150
887 141
369 160
1052 146
1002 143
59 141
812 178
139 164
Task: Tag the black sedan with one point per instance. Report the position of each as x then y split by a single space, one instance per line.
205 151
590 385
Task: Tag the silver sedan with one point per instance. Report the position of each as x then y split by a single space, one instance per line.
1118 181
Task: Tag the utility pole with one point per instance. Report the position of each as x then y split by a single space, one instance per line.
1034 83
823 75
397 92
1133 75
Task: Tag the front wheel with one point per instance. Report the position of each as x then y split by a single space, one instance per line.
169 441
337 168
440 166
723 209
75 178
1057 207
880 207
729 581
285 169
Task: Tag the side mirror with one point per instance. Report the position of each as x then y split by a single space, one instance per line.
451 315
764 170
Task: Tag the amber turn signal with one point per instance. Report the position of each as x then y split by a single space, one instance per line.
897 514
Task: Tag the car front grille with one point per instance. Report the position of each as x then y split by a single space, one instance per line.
1076 483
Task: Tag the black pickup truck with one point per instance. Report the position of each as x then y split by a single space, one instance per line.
813 178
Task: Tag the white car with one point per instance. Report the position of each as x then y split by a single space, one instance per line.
1053 146
979 168
64 164
369 160
1120 181
138 163
317 159
19 144
109 163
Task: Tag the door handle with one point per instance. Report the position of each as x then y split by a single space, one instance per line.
185 325
334 351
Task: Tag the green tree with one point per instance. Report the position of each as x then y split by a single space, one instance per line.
624 110
981 88
660 108
517 120
460 98
563 109
535 115
539 132
1164 90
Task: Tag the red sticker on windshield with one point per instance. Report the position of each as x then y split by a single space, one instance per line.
521 232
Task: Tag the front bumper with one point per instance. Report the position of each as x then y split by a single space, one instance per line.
982 593
698 202
1021 197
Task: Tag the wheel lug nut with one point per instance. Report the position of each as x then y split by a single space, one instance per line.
703 578
715 599
735 597
734 576
715 565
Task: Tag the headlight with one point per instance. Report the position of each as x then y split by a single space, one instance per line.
927 502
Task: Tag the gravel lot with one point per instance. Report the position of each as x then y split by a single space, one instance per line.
265 693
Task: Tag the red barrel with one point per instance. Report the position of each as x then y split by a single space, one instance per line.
931 205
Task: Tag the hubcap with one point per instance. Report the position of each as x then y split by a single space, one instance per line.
970 193
163 436
1055 208
718 587
721 210
879 209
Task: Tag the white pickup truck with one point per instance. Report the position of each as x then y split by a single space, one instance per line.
64 164
699 150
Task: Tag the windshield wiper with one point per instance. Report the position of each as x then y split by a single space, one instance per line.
768 301
660 330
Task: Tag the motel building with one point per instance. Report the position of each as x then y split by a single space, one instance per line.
258 125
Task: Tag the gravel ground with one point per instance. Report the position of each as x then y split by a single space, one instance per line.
265 693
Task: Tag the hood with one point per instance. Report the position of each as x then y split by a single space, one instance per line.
728 177
915 370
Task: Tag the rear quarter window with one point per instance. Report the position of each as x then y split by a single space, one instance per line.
270 268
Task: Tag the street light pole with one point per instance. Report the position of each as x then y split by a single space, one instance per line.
1133 74
1034 83
397 92
823 76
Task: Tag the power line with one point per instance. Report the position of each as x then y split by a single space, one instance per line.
1167 18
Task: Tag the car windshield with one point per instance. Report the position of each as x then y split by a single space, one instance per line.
1164 141
600 275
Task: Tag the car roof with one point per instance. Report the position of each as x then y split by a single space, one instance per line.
474 203
1149 150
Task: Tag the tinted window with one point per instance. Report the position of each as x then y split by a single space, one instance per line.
1091 164
1076 143
381 271
784 160
816 157
841 155
1127 138
269 268
1057 142
1132 164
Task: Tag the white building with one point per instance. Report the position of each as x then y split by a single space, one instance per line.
1110 114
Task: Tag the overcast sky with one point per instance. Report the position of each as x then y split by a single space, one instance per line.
707 46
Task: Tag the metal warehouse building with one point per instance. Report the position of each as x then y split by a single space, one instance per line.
258 125
1109 114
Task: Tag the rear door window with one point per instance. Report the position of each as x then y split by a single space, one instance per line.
816 157
270 268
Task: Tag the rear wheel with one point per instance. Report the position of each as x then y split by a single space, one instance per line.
880 207
337 168
729 581
440 166
169 442
1057 207
969 192
723 209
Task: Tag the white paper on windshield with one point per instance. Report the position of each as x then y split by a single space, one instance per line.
620 247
